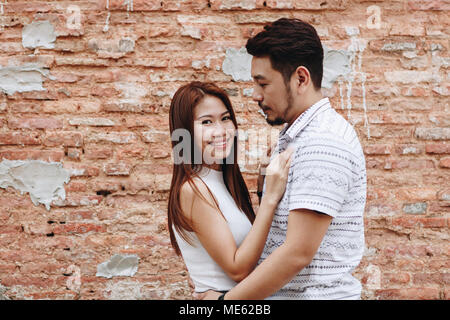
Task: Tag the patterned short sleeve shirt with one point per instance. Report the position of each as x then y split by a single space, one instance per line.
327 175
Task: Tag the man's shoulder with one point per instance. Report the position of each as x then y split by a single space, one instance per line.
332 129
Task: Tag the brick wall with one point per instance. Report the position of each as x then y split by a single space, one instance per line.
85 160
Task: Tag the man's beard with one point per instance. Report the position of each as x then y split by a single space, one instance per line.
280 120
275 122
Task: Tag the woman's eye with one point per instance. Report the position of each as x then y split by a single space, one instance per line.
206 121
226 118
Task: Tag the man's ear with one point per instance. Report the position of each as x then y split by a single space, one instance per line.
302 78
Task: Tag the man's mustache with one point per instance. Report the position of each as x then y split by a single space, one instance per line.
262 106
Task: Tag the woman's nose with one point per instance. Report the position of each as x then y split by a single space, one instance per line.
219 129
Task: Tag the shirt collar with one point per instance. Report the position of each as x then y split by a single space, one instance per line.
304 118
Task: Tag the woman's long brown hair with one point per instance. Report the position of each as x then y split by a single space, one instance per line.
181 117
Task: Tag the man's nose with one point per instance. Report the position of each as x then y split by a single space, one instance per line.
257 95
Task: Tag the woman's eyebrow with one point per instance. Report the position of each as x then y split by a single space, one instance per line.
210 116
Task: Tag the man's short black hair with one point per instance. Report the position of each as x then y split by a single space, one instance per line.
290 43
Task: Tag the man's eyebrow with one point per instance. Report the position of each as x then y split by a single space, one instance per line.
259 77
210 116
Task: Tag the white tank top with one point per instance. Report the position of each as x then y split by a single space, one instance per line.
203 270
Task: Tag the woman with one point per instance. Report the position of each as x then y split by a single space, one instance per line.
211 220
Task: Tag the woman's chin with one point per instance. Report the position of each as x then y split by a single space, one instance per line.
218 155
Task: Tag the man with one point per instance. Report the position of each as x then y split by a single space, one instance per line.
317 235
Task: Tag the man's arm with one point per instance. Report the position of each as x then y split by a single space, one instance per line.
305 232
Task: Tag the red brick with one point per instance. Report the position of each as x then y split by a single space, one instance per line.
378 149
377 193
428 278
409 164
160 152
78 228
434 5
415 30
408 294
73 153
44 155
412 221
74 186
10 229
438 148
78 170
416 194
21 107
138 5
28 6
51 295
67 77
395 278
409 265
27 281
80 215
132 151
35 123
77 200
444 162
395 119
412 91
93 153
7 268
64 138
235 4
117 169
19 138
103 91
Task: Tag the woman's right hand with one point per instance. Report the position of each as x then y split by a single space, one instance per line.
276 176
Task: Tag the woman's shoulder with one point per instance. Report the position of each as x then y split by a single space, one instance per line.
188 188
194 190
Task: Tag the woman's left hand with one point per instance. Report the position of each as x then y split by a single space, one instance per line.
208 295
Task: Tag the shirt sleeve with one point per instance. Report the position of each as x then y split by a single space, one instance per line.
321 176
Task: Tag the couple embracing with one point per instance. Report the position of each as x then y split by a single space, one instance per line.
307 236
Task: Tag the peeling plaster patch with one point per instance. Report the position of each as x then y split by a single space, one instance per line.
44 181
373 281
132 92
22 78
191 31
346 65
238 4
106 27
98 122
112 48
118 265
335 63
129 4
415 208
248 92
237 64
39 34
124 290
2 293
410 150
